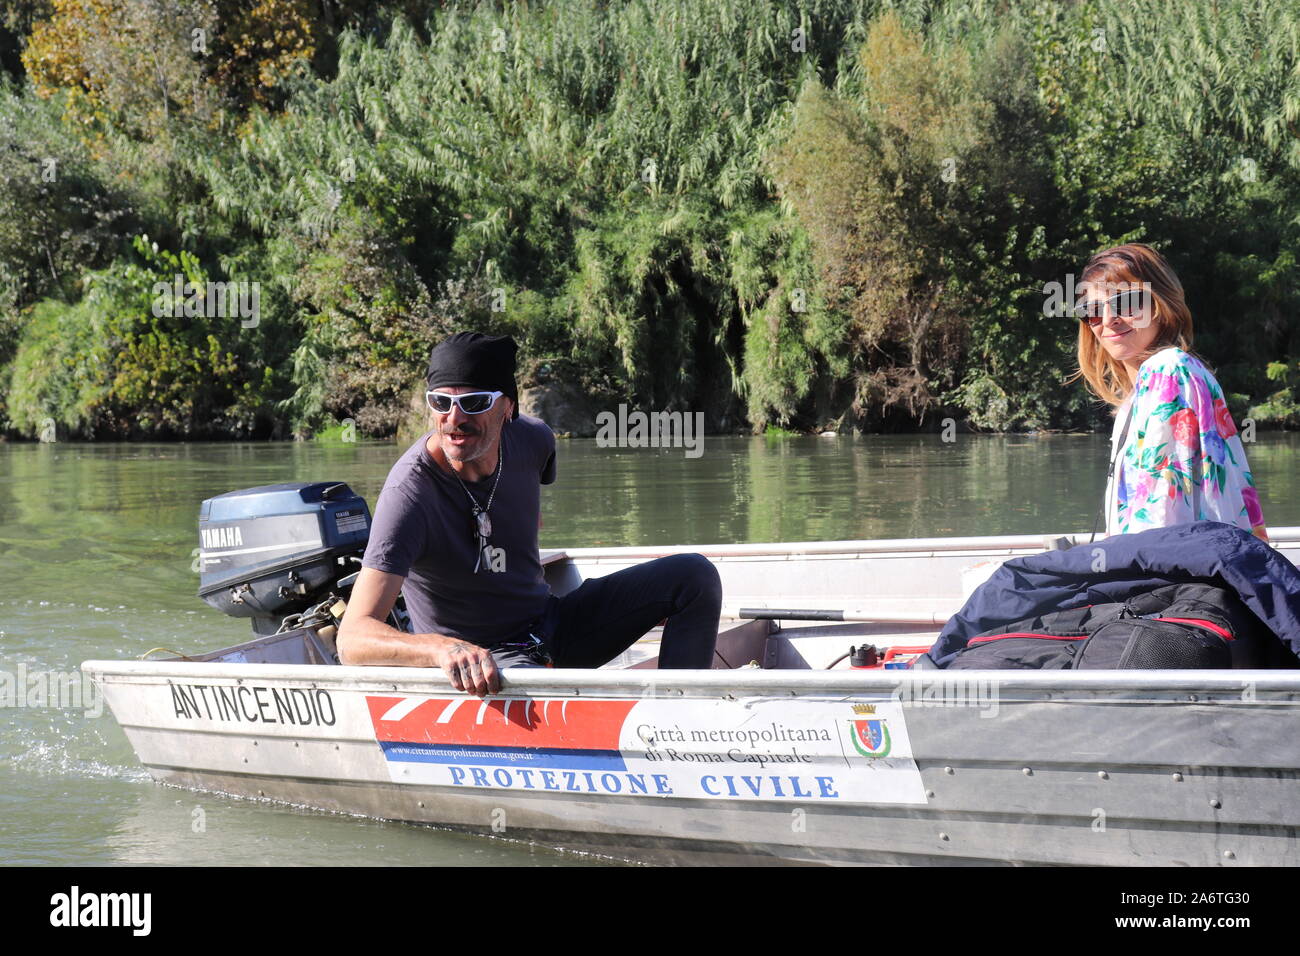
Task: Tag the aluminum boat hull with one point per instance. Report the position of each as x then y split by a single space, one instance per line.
781 761
1152 768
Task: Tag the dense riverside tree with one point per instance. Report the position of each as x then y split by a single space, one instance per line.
831 213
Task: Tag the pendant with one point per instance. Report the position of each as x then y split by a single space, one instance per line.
484 524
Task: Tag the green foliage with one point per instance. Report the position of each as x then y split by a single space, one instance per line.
57 215
599 170
777 432
54 379
125 64
131 359
1282 407
335 435
1067 134
794 215
916 188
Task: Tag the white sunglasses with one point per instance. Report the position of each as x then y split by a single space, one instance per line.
471 403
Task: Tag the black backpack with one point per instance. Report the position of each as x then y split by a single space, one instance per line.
1177 626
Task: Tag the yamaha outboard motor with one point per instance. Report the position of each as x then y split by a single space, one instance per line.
282 554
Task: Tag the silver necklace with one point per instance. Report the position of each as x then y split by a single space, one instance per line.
482 520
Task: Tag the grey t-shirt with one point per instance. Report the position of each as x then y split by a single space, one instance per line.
423 529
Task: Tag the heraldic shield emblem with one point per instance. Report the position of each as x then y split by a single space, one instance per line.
870 734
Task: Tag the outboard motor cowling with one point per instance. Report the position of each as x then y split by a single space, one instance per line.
272 551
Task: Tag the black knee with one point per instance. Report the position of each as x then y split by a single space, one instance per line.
697 576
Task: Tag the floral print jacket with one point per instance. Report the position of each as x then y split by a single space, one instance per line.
1183 459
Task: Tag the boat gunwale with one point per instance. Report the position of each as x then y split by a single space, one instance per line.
1278 537
747 682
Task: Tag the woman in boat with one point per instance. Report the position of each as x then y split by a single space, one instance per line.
1175 452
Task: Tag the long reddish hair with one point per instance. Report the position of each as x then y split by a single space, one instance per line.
1132 263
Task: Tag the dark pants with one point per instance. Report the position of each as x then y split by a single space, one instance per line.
602 618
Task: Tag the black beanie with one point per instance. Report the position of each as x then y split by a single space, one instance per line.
475 360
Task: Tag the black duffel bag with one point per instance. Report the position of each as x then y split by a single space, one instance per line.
1182 626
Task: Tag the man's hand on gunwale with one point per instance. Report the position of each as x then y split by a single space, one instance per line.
470 668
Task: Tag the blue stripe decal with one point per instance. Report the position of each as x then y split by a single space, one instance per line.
503 756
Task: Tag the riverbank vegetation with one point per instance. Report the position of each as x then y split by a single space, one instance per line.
821 214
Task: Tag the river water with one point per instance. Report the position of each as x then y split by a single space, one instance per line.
99 541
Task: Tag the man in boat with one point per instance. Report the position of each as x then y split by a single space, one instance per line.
455 532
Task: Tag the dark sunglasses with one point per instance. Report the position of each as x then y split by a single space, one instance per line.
471 403
1126 305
